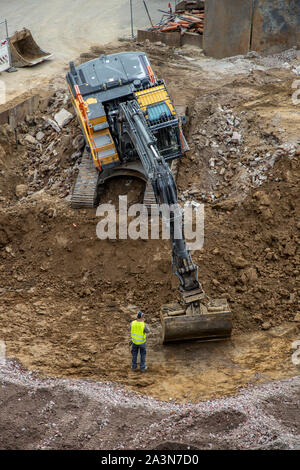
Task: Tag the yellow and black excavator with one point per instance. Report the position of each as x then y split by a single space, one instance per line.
131 127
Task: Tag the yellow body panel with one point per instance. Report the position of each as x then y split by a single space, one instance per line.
154 95
110 159
91 101
98 120
95 150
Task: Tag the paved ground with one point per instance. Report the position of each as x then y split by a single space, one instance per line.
58 28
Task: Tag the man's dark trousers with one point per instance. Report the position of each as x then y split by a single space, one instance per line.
134 351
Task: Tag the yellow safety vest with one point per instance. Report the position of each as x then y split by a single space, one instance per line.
137 332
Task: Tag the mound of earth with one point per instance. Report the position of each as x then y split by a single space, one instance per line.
66 297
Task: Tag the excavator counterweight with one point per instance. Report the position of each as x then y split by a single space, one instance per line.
131 126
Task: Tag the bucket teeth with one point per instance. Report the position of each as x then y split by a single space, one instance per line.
191 296
197 321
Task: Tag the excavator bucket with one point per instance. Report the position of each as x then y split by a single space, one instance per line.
212 321
25 51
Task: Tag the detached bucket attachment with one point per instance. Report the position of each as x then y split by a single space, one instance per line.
25 51
196 322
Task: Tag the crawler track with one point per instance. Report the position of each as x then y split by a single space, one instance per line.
85 190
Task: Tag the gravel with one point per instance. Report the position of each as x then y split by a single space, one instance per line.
248 420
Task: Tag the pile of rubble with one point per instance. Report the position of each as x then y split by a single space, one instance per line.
51 146
224 142
183 21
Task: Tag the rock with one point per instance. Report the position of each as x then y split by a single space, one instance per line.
252 55
76 363
236 138
30 120
227 205
266 325
290 249
193 192
2 158
239 262
21 190
6 133
78 142
263 198
258 316
63 117
30 140
53 124
40 136
297 317
249 276
266 213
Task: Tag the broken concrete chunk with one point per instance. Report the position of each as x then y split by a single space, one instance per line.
236 137
53 124
39 136
30 140
63 117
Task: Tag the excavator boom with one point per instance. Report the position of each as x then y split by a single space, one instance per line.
196 320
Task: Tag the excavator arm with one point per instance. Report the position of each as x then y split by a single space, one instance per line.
158 171
198 317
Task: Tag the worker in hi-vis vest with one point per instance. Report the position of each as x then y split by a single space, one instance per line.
138 330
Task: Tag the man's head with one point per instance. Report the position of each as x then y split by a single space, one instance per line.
140 315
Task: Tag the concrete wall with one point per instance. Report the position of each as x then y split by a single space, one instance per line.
16 113
276 25
174 39
227 27
235 27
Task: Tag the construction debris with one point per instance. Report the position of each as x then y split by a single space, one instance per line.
183 21
244 165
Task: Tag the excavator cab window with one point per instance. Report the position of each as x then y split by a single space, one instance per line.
168 142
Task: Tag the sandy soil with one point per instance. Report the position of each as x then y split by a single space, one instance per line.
58 315
63 291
